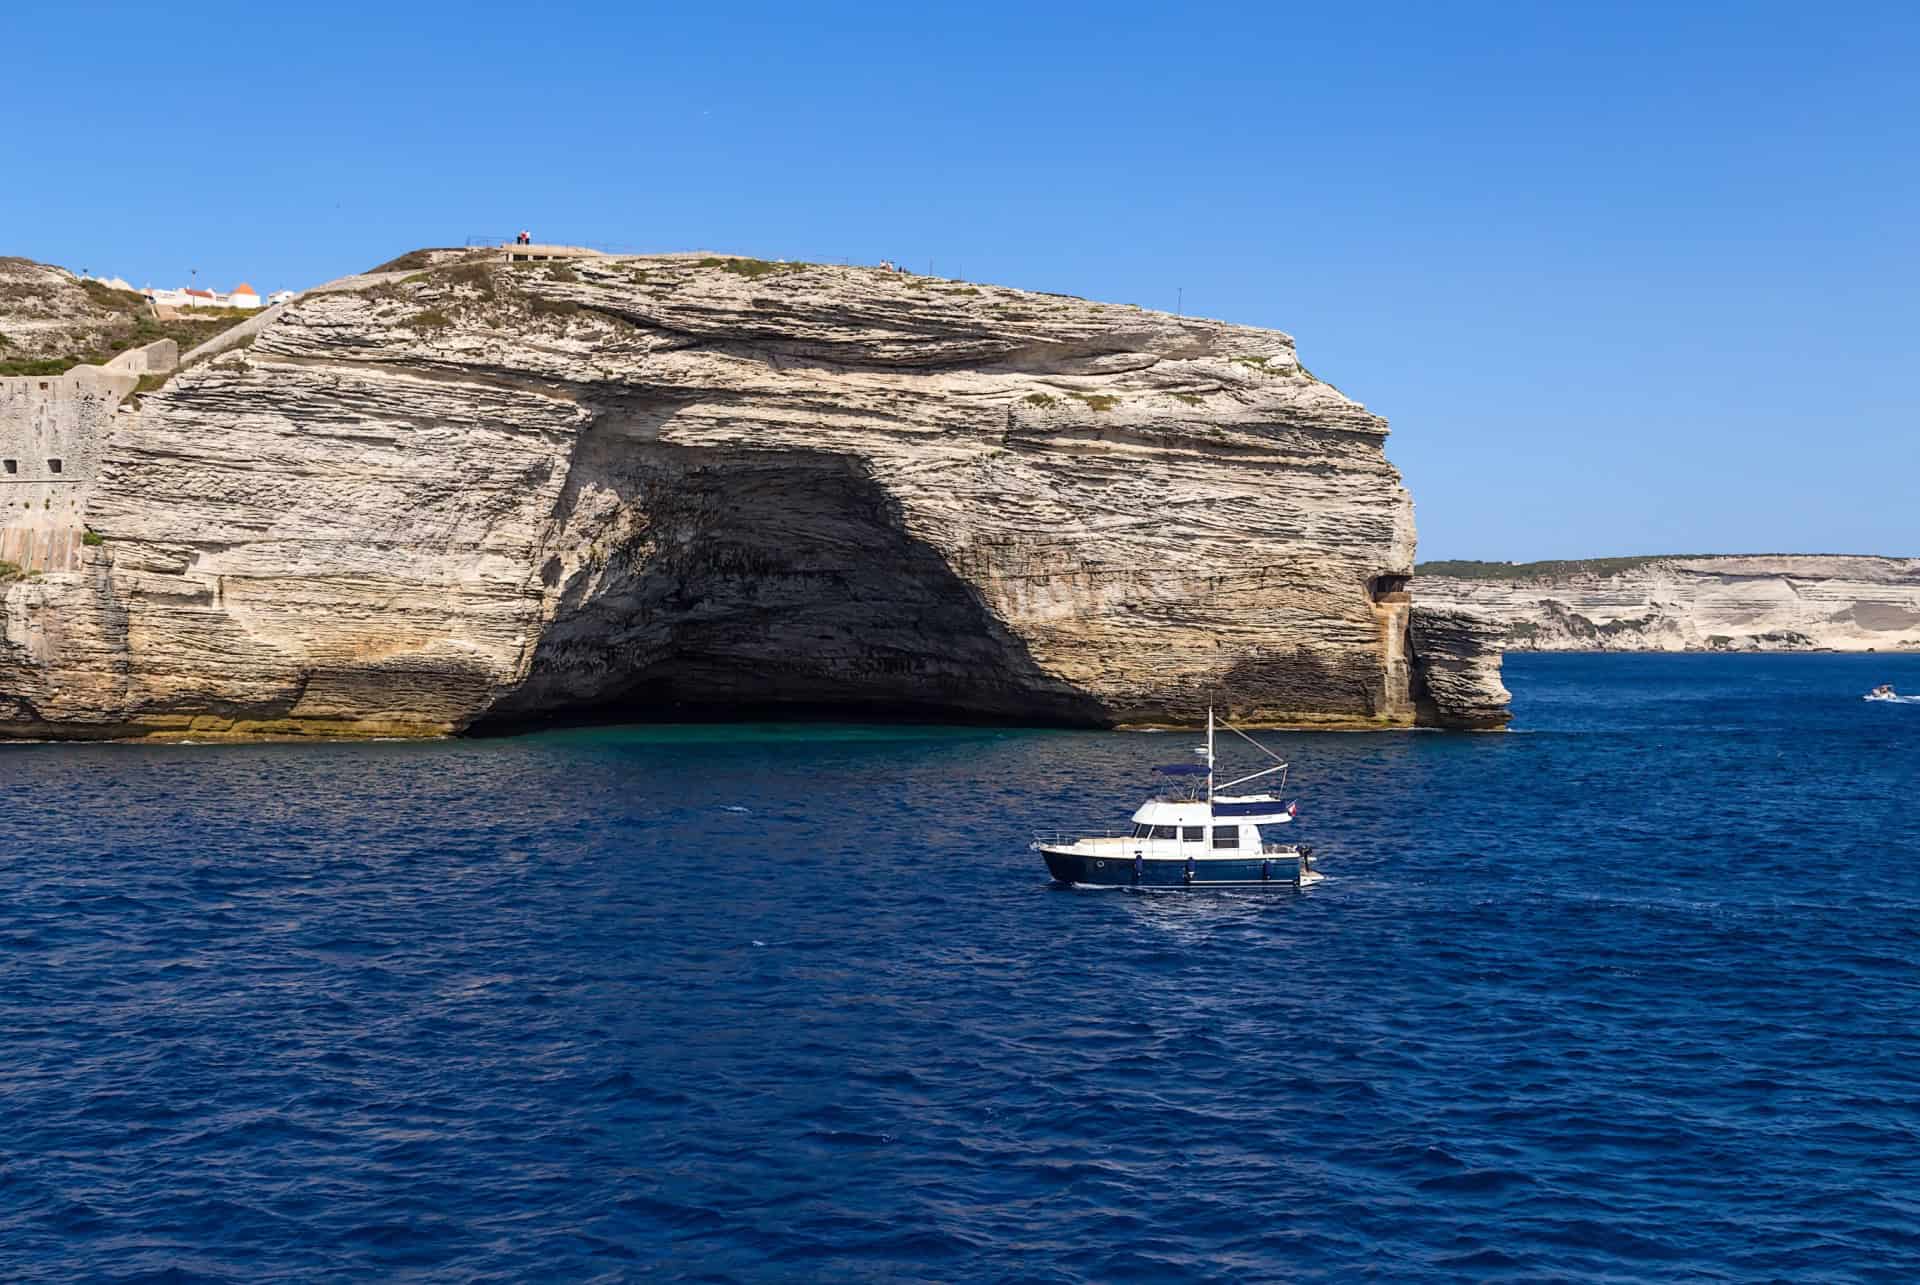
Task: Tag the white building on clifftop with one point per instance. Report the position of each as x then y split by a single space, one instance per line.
242 296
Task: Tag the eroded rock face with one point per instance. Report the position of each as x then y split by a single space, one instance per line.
1774 602
1457 656
482 496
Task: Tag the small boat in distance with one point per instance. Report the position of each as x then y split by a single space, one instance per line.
1884 692
1187 838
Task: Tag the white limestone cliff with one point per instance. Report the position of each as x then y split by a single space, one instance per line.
483 495
1770 602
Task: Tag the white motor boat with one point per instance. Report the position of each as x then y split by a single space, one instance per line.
1196 837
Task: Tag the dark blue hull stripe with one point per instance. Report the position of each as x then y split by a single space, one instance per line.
1173 872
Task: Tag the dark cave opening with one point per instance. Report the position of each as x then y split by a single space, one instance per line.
743 585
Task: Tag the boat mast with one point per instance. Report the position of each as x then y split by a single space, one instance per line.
1209 761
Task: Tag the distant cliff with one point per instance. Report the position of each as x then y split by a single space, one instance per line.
478 493
1762 602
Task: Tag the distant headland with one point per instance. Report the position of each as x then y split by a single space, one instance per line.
1717 602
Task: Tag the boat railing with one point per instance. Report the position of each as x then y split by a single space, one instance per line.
1062 838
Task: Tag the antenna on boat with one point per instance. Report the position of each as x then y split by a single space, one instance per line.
1280 763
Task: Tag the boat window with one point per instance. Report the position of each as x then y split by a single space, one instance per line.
1194 833
1141 831
1166 831
1226 836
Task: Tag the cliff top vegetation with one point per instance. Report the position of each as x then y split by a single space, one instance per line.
51 321
1467 569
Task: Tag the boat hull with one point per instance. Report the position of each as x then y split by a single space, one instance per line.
1270 870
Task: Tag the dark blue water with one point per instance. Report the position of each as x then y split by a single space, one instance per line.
1632 993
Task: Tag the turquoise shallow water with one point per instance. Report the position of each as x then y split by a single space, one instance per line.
1630 993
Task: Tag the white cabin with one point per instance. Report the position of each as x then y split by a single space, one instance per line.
1179 828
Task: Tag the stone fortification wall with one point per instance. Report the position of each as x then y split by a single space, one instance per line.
155 358
53 429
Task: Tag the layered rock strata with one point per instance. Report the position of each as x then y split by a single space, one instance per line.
1773 602
481 496
1457 656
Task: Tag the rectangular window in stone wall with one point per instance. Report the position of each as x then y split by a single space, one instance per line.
12 466
53 466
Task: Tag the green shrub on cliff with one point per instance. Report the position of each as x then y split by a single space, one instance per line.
107 297
93 538
412 260
751 269
11 571
477 275
45 366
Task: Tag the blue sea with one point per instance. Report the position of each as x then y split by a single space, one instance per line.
1631 993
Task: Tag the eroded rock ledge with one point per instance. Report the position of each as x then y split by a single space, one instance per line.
487 495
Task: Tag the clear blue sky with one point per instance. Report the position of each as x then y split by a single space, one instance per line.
1626 277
